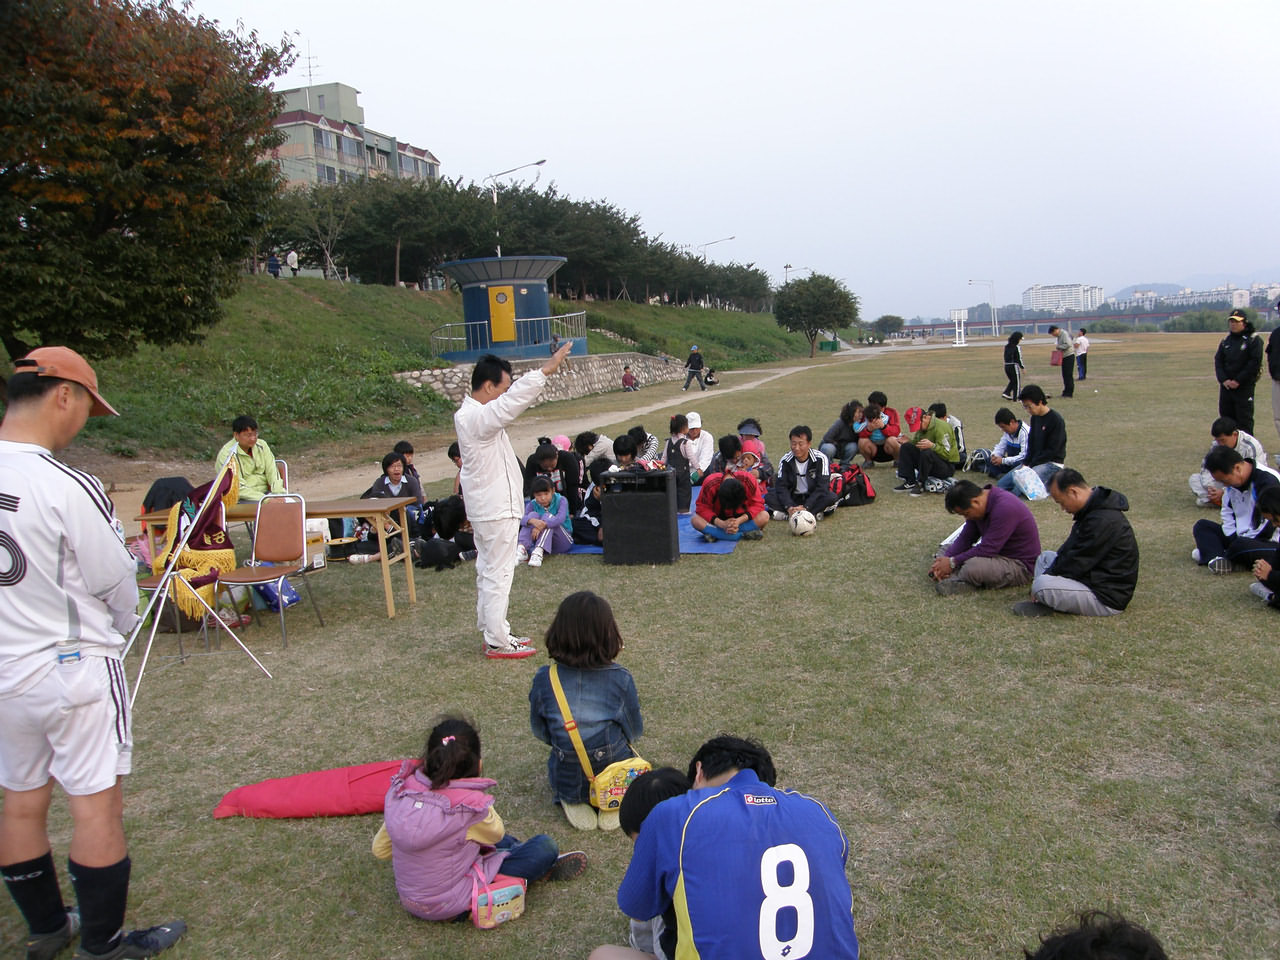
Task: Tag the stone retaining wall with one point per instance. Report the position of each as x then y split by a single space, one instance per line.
577 377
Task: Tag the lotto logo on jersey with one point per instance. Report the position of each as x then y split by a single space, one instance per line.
752 800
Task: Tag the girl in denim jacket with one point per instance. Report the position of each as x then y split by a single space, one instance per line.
584 640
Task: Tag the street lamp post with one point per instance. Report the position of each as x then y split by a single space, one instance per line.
711 243
786 272
995 322
497 233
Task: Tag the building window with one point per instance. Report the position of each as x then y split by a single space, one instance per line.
326 174
320 102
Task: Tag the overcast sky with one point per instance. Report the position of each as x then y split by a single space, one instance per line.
904 147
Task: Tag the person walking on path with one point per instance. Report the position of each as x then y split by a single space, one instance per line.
1068 351
70 597
694 365
292 261
1013 366
1237 365
494 483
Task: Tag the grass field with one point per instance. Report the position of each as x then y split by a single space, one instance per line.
993 774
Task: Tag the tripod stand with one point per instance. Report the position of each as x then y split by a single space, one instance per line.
210 502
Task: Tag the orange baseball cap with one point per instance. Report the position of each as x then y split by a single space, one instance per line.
65 364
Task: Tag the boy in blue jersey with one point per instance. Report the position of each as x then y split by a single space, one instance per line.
752 871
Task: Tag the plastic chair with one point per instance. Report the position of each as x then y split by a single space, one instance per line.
280 540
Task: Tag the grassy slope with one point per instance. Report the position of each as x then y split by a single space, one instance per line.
314 361
993 774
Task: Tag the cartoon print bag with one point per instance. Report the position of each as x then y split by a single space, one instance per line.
497 902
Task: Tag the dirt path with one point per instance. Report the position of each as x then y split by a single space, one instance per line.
129 479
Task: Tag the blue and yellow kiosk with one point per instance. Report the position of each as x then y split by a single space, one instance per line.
506 306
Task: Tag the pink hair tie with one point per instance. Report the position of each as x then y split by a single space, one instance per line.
446 740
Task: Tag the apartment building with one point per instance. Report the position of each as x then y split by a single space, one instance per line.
1060 297
327 140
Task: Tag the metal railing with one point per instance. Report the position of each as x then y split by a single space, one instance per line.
473 335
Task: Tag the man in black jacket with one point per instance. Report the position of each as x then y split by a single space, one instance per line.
804 480
1094 572
1237 365
1273 368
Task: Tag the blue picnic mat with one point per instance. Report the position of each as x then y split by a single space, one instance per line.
690 542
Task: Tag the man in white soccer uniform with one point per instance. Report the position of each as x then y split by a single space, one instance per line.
68 595
494 483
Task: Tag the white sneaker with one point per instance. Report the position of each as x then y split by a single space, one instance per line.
1221 565
1195 554
517 648
1261 591
535 558
779 514
522 555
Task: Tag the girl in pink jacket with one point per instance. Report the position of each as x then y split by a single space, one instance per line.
440 824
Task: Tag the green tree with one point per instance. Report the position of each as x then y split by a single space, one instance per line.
887 324
814 304
134 170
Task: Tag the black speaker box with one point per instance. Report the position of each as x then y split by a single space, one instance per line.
638 511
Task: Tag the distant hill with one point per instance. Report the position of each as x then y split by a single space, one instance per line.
1163 289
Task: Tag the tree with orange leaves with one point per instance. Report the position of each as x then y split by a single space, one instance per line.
134 170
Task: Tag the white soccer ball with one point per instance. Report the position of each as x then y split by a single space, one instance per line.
802 523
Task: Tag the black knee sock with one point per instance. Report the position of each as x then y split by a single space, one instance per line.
33 884
102 893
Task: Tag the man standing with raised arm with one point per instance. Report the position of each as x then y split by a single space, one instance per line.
494 482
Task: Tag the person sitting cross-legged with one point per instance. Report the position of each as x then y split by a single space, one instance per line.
751 870
840 442
997 547
1046 438
1225 433
880 435
1095 570
929 458
1244 535
1010 450
729 507
803 481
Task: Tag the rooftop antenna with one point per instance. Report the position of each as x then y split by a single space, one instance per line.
310 62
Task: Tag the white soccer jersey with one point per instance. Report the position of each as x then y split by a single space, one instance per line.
65 572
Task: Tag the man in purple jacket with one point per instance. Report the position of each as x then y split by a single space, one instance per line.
997 547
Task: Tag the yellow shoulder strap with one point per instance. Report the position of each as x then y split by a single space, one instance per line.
570 724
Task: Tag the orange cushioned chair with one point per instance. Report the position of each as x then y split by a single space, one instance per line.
280 539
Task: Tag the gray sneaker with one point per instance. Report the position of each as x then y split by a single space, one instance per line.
1030 608
752 534
140 944
46 946
1220 565
1261 591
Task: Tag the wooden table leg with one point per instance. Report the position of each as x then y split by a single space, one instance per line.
408 553
385 563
